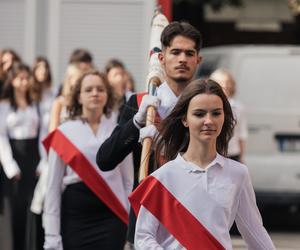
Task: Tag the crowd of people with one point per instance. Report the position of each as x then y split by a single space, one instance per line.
70 159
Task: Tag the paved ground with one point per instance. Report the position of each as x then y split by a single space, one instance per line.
282 241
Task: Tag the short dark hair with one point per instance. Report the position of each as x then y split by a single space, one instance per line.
113 63
182 28
81 55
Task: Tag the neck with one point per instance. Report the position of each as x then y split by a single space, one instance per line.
200 154
177 87
92 117
21 99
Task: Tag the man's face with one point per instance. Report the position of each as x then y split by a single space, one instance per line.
180 59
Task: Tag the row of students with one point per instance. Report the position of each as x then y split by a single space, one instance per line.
193 200
25 112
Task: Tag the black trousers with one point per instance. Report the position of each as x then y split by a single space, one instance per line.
87 223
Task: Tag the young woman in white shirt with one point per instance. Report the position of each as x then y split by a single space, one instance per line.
192 201
19 147
85 208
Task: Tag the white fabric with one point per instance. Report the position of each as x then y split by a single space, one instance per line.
19 125
240 131
148 131
147 101
216 196
168 100
81 135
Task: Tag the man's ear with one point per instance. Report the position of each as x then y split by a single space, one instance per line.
199 60
161 57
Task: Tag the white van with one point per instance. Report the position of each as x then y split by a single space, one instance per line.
268 84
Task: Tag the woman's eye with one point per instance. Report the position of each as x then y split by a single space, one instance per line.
199 114
217 113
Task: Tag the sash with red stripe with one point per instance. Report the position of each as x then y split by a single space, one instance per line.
177 219
72 156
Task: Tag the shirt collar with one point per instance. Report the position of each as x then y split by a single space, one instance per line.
191 167
168 100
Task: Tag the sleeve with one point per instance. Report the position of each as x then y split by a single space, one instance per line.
122 141
126 168
9 165
146 231
242 127
249 221
51 215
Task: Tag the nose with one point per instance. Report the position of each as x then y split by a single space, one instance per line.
208 119
182 57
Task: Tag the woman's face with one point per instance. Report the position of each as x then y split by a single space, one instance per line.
41 72
21 82
205 118
93 94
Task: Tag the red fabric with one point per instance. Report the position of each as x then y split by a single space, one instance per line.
139 97
173 215
166 6
78 162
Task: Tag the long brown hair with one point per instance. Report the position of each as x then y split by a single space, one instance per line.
8 89
75 108
174 136
38 87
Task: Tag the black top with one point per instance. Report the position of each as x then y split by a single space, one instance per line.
122 141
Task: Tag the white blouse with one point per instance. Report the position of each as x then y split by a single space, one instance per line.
216 196
17 124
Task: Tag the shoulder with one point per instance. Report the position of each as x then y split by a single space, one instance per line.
70 124
167 170
235 168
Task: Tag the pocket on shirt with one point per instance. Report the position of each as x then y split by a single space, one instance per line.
224 194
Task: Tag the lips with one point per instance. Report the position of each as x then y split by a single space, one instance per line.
182 68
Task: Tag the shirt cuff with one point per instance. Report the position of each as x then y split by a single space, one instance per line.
11 170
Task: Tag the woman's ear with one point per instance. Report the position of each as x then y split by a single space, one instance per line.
184 122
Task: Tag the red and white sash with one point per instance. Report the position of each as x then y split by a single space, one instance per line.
77 146
154 194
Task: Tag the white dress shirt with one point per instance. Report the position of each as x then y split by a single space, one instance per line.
168 100
60 175
216 196
17 124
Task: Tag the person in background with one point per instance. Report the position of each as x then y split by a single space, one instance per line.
85 208
8 57
19 147
192 200
130 84
43 94
237 144
179 58
82 58
59 107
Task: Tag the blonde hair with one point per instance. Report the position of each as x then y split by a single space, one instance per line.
72 72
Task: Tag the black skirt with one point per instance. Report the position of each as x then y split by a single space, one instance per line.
19 193
87 223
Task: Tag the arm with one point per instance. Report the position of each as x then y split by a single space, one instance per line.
9 165
122 141
146 231
52 207
248 219
55 114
